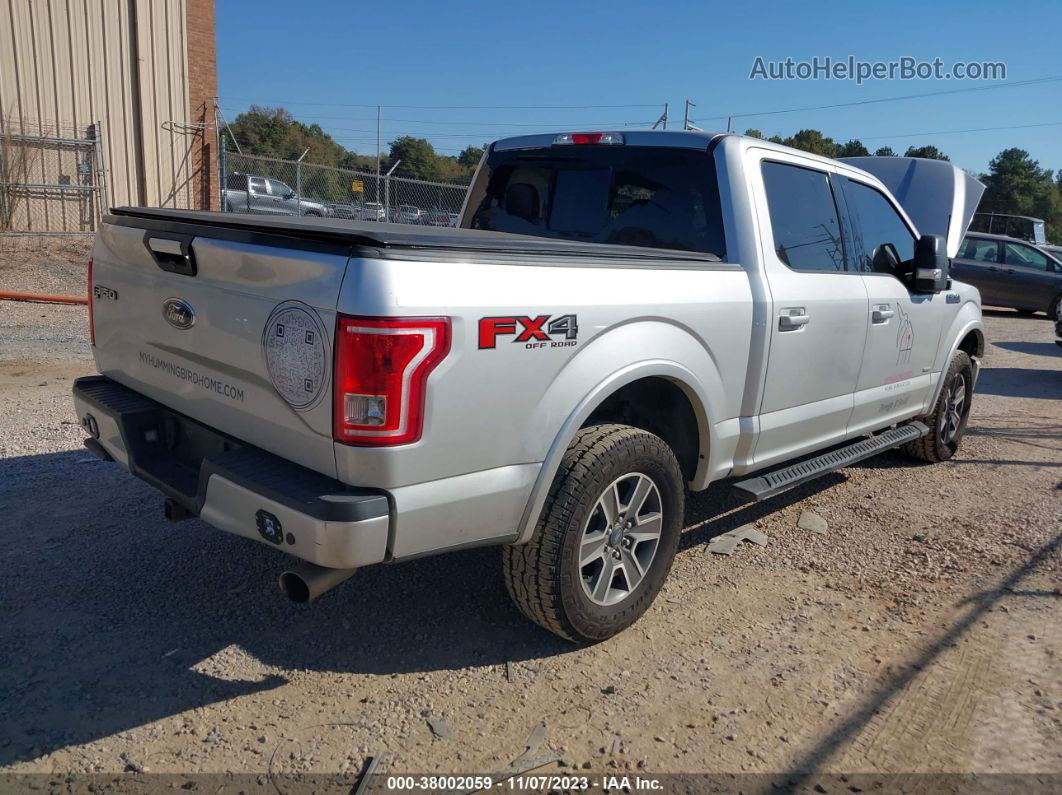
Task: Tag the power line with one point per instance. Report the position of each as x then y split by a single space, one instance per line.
952 132
1017 84
275 103
564 123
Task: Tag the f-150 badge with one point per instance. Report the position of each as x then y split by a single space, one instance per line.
540 331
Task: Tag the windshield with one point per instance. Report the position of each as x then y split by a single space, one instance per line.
639 196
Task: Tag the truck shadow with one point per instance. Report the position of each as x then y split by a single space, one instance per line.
113 618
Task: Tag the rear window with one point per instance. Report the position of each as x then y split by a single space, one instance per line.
653 197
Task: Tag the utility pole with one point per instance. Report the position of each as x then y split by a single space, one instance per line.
686 123
378 153
662 120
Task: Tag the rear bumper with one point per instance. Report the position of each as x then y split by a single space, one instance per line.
231 485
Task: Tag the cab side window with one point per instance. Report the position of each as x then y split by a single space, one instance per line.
258 185
1024 256
278 188
875 223
807 232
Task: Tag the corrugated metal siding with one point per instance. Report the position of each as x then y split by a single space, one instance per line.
67 64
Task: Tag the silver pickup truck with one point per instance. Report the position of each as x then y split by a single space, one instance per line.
619 318
264 196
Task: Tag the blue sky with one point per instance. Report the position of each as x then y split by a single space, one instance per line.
323 59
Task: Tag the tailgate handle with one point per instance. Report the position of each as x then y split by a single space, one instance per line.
172 252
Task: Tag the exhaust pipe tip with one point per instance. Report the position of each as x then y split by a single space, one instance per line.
308 581
294 587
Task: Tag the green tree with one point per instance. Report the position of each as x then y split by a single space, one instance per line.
930 152
419 160
470 156
1016 184
853 148
813 141
884 151
752 132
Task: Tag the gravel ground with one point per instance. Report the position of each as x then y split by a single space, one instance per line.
921 633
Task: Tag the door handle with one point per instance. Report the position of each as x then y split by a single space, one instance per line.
881 314
993 268
793 319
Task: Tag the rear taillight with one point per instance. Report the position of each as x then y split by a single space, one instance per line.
382 366
92 325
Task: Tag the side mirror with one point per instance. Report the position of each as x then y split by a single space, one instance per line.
932 268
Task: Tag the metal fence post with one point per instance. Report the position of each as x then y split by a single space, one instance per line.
222 175
298 185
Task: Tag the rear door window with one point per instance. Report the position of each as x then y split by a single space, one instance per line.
1024 256
654 197
804 222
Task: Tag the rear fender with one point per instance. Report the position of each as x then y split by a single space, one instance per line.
621 356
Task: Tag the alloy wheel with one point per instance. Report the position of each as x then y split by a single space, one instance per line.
620 538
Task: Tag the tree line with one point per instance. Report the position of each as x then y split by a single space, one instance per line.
1015 183
274 132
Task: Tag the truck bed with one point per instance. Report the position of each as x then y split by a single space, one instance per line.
381 237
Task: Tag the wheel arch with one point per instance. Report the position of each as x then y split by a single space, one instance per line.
604 384
966 333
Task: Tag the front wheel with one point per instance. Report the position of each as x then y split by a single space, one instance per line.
947 420
606 538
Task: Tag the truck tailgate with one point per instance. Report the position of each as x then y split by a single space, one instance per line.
238 335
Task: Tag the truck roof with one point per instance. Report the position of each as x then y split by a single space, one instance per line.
685 139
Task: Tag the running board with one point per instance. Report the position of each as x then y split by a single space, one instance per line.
766 486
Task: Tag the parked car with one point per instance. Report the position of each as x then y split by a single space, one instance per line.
369 211
437 218
391 393
372 211
1010 272
1054 251
247 193
407 214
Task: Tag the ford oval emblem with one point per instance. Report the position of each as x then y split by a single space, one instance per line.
178 313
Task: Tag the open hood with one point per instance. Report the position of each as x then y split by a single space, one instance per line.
940 198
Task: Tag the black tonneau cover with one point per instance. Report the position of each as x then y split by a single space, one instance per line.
377 235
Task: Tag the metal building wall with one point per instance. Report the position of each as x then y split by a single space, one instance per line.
67 64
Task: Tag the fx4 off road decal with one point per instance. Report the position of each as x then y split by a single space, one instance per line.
540 331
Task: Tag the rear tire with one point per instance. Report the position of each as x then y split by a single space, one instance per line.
1055 308
606 538
947 420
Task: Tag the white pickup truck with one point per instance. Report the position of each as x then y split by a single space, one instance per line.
619 318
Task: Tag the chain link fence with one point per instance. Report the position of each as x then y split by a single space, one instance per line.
52 178
253 184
